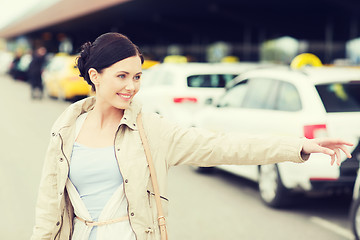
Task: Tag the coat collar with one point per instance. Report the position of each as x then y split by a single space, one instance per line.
69 116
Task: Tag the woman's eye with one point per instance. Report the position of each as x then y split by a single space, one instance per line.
122 76
137 77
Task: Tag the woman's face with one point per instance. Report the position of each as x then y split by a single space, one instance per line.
118 84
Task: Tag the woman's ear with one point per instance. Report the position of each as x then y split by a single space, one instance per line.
94 76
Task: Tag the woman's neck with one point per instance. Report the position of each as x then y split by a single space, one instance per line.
105 116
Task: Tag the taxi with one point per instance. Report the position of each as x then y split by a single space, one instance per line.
61 78
306 99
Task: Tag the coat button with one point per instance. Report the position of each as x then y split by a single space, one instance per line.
60 193
134 125
53 134
126 181
132 214
58 223
118 149
61 159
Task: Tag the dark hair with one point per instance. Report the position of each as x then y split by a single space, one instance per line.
106 50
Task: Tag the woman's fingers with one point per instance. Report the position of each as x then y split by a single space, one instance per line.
345 150
332 159
329 146
331 141
325 150
338 157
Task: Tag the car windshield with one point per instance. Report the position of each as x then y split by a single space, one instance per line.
209 80
340 97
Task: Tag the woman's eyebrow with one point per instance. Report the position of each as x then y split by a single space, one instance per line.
127 72
122 72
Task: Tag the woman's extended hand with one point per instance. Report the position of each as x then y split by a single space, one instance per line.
329 146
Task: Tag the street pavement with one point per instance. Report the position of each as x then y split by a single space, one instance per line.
212 206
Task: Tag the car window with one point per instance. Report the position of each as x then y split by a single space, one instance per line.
340 97
288 98
259 93
234 96
209 80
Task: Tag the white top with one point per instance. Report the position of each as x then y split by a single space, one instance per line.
96 192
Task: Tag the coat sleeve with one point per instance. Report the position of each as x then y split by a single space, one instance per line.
200 147
47 209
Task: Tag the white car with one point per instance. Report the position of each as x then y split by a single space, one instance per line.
178 90
312 102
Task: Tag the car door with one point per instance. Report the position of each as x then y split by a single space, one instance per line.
247 106
226 117
271 107
256 106
227 114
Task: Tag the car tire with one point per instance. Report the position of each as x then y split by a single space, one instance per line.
272 191
355 218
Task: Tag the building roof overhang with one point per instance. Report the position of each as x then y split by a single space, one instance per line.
61 11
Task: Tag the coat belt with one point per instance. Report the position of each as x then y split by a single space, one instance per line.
102 223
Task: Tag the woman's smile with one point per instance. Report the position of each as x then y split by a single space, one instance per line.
124 96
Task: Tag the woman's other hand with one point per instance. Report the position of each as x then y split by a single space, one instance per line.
329 146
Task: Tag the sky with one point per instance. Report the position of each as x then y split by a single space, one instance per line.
11 10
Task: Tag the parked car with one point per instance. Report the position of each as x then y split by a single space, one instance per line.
61 78
19 67
178 90
311 102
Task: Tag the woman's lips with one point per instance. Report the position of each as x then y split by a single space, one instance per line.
124 96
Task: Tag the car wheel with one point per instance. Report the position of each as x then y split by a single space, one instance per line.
272 191
355 218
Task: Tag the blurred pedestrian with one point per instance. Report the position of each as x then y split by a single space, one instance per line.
96 181
34 72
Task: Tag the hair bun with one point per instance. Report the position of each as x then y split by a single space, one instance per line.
83 58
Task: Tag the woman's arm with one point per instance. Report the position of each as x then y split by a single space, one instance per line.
204 148
194 146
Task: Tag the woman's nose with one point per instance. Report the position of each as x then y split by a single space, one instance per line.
130 85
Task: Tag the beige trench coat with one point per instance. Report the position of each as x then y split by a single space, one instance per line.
170 146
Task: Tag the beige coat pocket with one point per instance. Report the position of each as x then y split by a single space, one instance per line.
152 204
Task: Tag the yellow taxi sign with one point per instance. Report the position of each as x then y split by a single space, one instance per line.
149 63
175 59
305 59
230 59
62 54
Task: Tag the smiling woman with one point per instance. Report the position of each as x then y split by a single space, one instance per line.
99 181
